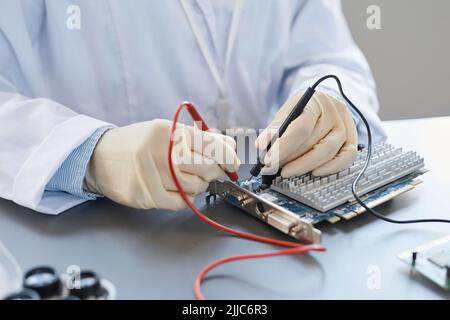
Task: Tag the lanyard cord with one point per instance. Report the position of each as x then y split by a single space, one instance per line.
234 28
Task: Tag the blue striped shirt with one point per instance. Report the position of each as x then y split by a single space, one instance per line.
70 175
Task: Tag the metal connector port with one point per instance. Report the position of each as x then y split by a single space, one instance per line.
278 217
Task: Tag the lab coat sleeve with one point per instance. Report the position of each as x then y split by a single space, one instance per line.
320 44
36 136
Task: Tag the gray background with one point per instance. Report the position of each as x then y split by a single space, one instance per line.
409 55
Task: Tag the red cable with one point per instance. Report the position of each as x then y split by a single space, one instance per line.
293 247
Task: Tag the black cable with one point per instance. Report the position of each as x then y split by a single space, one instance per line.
367 161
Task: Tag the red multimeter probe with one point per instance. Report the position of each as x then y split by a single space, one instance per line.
198 119
292 247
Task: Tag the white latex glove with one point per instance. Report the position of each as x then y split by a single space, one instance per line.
130 164
323 139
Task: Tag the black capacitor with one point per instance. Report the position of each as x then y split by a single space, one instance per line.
89 285
24 294
102 293
44 280
266 179
414 257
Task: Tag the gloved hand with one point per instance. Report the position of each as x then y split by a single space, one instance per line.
130 164
323 139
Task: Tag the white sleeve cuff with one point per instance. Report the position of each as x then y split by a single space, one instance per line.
42 164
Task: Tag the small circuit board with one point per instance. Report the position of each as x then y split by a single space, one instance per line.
432 260
295 218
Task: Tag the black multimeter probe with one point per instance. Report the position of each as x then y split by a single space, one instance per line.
297 111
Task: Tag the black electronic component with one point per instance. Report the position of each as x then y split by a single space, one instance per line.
89 285
45 283
44 280
266 179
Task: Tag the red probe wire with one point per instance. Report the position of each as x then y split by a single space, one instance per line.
293 247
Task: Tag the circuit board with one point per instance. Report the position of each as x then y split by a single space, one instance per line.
346 211
432 260
295 218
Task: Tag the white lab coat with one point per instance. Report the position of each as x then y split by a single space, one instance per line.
136 60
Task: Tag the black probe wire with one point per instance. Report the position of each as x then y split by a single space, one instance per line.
367 161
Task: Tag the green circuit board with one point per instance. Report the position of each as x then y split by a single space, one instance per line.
432 260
